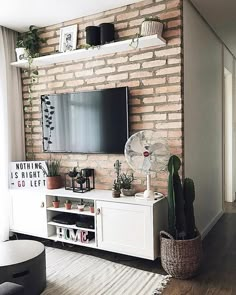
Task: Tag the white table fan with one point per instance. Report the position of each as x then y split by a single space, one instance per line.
146 151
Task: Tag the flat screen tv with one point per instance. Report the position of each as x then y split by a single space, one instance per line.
86 122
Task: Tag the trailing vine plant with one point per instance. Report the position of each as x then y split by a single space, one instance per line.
31 41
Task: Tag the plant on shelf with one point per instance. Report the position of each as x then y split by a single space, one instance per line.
52 173
27 47
30 41
151 26
56 202
181 248
117 184
68 204
126 180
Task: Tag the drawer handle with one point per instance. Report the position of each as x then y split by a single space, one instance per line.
42 205
20 274
98 211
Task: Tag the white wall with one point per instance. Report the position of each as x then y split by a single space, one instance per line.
203 89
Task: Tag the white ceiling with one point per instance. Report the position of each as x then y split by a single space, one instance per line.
221 15
18 15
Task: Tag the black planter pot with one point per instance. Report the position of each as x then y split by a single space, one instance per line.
93 35
107 33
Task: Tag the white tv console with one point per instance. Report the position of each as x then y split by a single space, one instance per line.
123 225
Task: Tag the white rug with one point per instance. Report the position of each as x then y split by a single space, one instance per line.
70 273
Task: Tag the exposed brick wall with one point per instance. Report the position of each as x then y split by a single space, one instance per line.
153 75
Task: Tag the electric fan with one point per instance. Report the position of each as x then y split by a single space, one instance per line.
145 151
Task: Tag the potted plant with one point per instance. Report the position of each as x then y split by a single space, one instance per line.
53 177
68 204
28 44
117 183
56 202
151 26
181 246
126 180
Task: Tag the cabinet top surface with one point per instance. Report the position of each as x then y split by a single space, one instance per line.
98 195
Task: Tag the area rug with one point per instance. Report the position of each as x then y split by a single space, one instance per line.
70 273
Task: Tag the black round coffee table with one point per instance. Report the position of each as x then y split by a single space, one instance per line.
23 262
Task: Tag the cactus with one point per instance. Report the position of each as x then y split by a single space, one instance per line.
181 221
189 197
173 167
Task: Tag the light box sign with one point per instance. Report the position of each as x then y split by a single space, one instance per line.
27 174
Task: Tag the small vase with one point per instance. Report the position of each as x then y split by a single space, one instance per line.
68 206
115 194
56 204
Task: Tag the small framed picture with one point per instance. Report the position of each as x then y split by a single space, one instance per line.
68 38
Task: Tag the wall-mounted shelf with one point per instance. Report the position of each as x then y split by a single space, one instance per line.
79 54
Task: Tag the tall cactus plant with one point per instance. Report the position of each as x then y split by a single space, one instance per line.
189 197
180 202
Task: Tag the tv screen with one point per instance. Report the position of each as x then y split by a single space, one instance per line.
86 122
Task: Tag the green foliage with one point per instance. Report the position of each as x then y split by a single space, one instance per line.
189 197
117 182
55 199
31 41
181 220
68 202
116 186
126 180
171 198
73 173
53 168
152 18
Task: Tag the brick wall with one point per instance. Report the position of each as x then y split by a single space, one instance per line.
153 75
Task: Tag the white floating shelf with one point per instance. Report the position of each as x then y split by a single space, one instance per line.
115 47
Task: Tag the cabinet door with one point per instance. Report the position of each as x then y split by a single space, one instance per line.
125 228
29 213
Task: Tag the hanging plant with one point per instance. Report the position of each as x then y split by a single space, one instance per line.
27 47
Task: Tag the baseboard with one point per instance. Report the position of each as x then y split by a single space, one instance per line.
214 220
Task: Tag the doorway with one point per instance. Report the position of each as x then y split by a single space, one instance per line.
229 167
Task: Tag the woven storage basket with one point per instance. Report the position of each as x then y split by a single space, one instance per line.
180 258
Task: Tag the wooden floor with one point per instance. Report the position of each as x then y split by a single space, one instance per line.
218 272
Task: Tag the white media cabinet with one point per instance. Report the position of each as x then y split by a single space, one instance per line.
123 225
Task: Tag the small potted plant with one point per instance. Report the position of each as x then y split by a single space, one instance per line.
117 184
151 26
126 180
56 202
53 176
28 44
68 204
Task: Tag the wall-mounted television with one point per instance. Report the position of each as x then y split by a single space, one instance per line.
86 122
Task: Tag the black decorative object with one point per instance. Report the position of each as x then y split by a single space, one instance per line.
84 181
69 179
107 33
93 35
49 111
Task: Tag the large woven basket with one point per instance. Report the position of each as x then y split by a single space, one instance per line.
180 258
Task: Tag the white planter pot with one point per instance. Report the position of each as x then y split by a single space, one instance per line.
151 28
21 53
